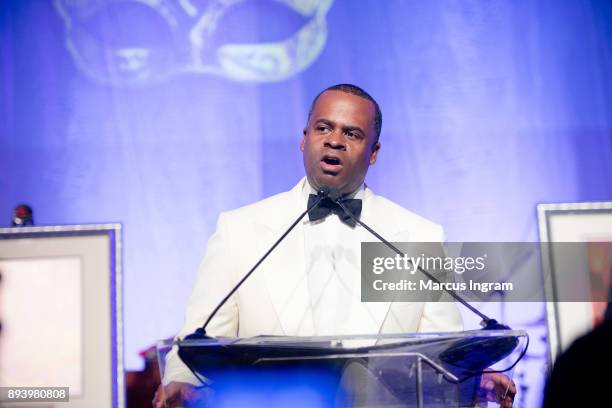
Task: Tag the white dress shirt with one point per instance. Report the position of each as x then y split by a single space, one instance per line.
333 265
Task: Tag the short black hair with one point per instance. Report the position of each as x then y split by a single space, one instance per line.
355 90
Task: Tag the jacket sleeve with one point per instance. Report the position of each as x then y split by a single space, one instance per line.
442 315
215 279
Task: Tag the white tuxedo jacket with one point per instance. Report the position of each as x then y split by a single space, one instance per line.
275 300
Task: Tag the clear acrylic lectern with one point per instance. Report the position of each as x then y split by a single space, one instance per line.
390 370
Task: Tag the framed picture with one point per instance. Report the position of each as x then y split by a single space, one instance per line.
60 310
591 225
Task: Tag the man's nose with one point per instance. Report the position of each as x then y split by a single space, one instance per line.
335 140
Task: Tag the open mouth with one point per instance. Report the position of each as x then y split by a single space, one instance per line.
331 164
332 160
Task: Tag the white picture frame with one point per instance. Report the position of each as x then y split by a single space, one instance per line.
569 222
62 303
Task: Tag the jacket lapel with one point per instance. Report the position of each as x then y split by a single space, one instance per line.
284 269
374 218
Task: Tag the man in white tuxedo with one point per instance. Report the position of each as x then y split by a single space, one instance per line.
310 285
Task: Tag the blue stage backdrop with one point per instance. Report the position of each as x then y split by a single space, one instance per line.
159 115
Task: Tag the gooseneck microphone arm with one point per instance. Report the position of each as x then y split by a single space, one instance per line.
487 322
321 195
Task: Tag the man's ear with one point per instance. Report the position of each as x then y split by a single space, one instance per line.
374 154
303 142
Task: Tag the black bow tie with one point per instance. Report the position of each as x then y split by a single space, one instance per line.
327 206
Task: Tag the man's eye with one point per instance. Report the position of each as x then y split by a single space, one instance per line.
321 128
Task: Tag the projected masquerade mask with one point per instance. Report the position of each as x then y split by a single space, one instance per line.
134 42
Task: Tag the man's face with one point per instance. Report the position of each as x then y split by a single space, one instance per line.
338 143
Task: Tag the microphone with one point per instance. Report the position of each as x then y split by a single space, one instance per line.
487 322
323 193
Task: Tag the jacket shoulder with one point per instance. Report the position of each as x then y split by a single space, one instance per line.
400 218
